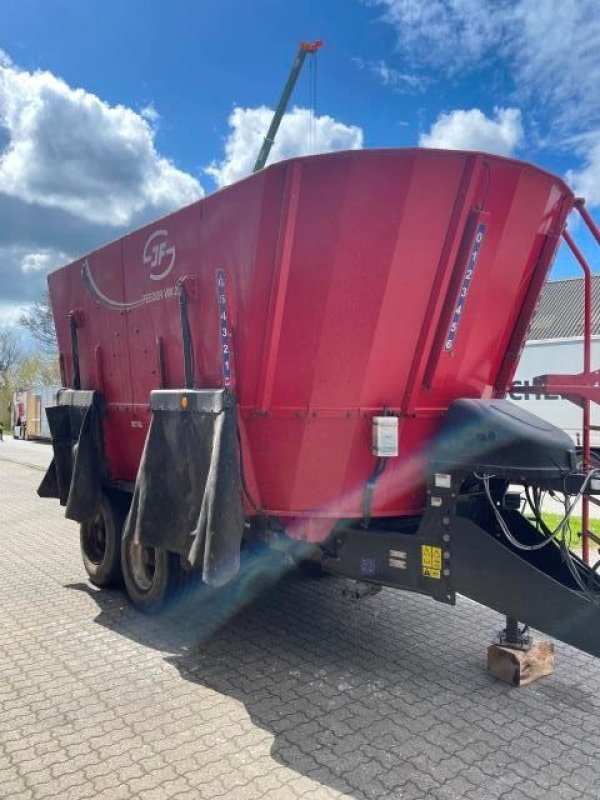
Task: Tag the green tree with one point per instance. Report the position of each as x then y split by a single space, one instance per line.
10 356
20 371
39 321
35 369
10 353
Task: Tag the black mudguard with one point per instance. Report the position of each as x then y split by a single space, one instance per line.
77 470
187 496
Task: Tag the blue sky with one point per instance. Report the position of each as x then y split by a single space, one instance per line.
151 94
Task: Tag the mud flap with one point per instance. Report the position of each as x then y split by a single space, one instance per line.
76 471
187 496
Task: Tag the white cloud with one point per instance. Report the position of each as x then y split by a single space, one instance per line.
556 56
551 48
585 182
444 33
70 150
75 172
472 130
150 113
24 265
10 314
43 260
397 81
299 129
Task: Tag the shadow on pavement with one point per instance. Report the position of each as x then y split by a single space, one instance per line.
368 699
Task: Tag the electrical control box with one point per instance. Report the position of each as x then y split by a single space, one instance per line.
385 436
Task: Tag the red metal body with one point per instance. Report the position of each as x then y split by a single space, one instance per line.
353 283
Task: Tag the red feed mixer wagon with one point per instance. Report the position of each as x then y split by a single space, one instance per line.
314 360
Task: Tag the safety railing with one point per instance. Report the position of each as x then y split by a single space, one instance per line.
582 388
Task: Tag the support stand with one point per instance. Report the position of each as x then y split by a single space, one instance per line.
516 658
514 638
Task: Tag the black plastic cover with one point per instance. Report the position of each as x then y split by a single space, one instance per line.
496 437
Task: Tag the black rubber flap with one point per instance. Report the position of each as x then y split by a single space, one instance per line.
187 495
75 473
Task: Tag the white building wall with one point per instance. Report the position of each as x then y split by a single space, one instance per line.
48 398
555 356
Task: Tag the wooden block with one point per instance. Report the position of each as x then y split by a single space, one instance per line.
520 667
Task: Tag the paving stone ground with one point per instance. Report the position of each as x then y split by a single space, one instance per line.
301 694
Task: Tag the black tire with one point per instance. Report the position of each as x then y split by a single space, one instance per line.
100 541
152 576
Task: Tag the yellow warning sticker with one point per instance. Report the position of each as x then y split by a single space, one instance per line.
431 561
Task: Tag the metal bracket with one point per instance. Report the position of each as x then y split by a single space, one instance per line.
186 335
513 637
74 323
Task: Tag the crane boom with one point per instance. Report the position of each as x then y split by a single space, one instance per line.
303 50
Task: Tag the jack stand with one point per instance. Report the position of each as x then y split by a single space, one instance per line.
514 638
516 658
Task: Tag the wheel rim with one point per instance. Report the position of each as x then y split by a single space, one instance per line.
95 540
143 565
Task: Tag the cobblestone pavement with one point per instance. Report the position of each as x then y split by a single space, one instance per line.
32 454
302 694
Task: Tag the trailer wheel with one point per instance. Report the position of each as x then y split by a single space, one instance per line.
152 576
100 541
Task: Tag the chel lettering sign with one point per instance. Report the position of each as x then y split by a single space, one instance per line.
525 390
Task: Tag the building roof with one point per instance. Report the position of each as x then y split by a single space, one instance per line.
560 310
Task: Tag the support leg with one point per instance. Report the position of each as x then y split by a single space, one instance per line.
516 658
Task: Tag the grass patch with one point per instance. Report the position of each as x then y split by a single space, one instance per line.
554 520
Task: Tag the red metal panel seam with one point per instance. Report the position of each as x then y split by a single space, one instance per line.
440 286
461 264
131 400
335 412
281 275
508 365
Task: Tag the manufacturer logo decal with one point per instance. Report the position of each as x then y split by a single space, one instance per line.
159 255
94 290
90 284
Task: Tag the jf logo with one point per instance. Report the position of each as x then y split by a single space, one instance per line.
159 255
